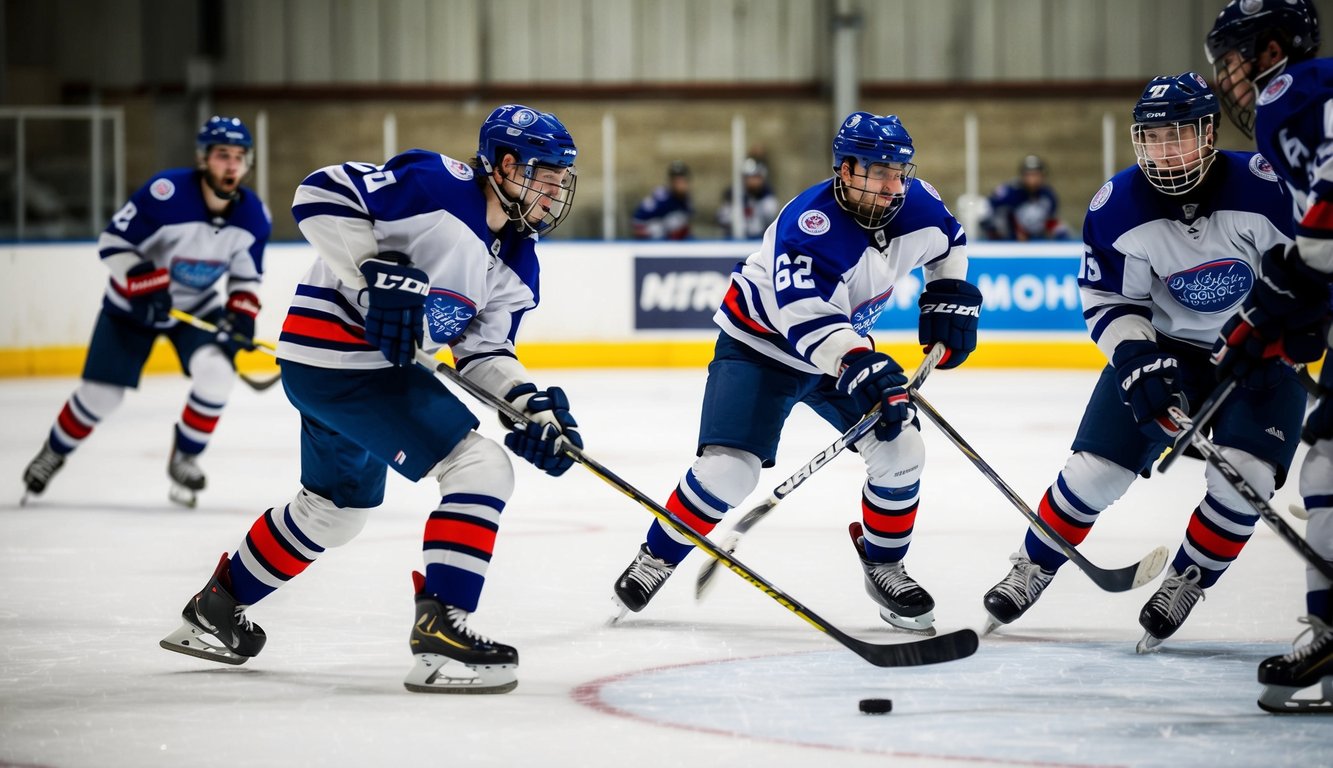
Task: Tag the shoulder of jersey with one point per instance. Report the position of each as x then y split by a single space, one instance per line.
1246 166
813 216
167 186
923 207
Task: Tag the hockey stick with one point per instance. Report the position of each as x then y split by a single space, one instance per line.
1213 455
1111 580
1205 414
857 431
258 385
931 650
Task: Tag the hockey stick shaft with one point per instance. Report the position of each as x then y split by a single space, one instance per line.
933 650
1205 414
258 385
855 433
1111 580
1213 455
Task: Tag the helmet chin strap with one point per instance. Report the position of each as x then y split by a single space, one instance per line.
513 208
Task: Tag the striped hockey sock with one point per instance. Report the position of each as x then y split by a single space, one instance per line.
458 543
197 422
694 506
274 552
1214 538
888 516
1069 515
90 403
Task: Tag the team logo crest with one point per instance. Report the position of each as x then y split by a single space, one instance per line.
852 121
814 223
523 118
927 186
1260 167
1275 89
162 189
864 316
1198 78
448 315
196 273
458 169
1213 287
1103 194
1248 7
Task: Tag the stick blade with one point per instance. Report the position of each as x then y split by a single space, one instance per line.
1149 567
933 650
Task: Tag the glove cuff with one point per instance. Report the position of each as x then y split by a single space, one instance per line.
1128 350
244 303
143 279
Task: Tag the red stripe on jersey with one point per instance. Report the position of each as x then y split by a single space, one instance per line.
460 532
70 424
269 548
197 421
1219 547
696 523
888 522
1074 534
321 329
1319 217
730 301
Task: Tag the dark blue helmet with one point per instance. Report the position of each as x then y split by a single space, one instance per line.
1242 30
544 153
1174 131
224 130
872 140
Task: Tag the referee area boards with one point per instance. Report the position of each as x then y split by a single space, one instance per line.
603 305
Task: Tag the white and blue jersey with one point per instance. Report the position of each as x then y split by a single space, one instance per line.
431 208
1178 265
814 289
167 222
663 216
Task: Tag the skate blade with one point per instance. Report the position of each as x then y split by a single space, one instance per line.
435 673
992 624
621 611
1281 700
193 641
920 625
1148 644
183 496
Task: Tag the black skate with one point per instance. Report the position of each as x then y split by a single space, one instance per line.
1306 666
214 614
902 602
450 656
1016 592
640 581
41 469
187 479
1167 609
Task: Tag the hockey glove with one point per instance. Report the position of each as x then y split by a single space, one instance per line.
1149 382
874 379
236 330
395 297
950 310
147 290
538 441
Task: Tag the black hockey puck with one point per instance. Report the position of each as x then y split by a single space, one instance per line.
876 706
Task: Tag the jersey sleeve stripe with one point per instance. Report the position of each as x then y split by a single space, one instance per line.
1115 313
305 211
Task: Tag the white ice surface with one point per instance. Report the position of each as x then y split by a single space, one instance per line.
94 573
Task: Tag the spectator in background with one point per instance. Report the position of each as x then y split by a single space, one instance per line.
665 214
759 206
1025 208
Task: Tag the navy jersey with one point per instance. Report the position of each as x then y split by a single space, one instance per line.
1020 215
1294 128
1178 265
663 216
818 282
431 208
166 222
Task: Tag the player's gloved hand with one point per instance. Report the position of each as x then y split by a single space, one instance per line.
1279 318
950 310
236 329
1149 382
1319 424
395 297
538 442
873 378
146 289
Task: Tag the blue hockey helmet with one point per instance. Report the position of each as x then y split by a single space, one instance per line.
544 150
865 140
224 130
1241 32
1174 131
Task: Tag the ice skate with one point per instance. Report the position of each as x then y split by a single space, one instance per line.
41 469
215 626
1016 592
902 602
187 479
640 581
450 656
1307 666
1167 609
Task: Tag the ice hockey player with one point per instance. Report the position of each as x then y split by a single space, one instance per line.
794 326
1276 91
422 252
1171 246
182 238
